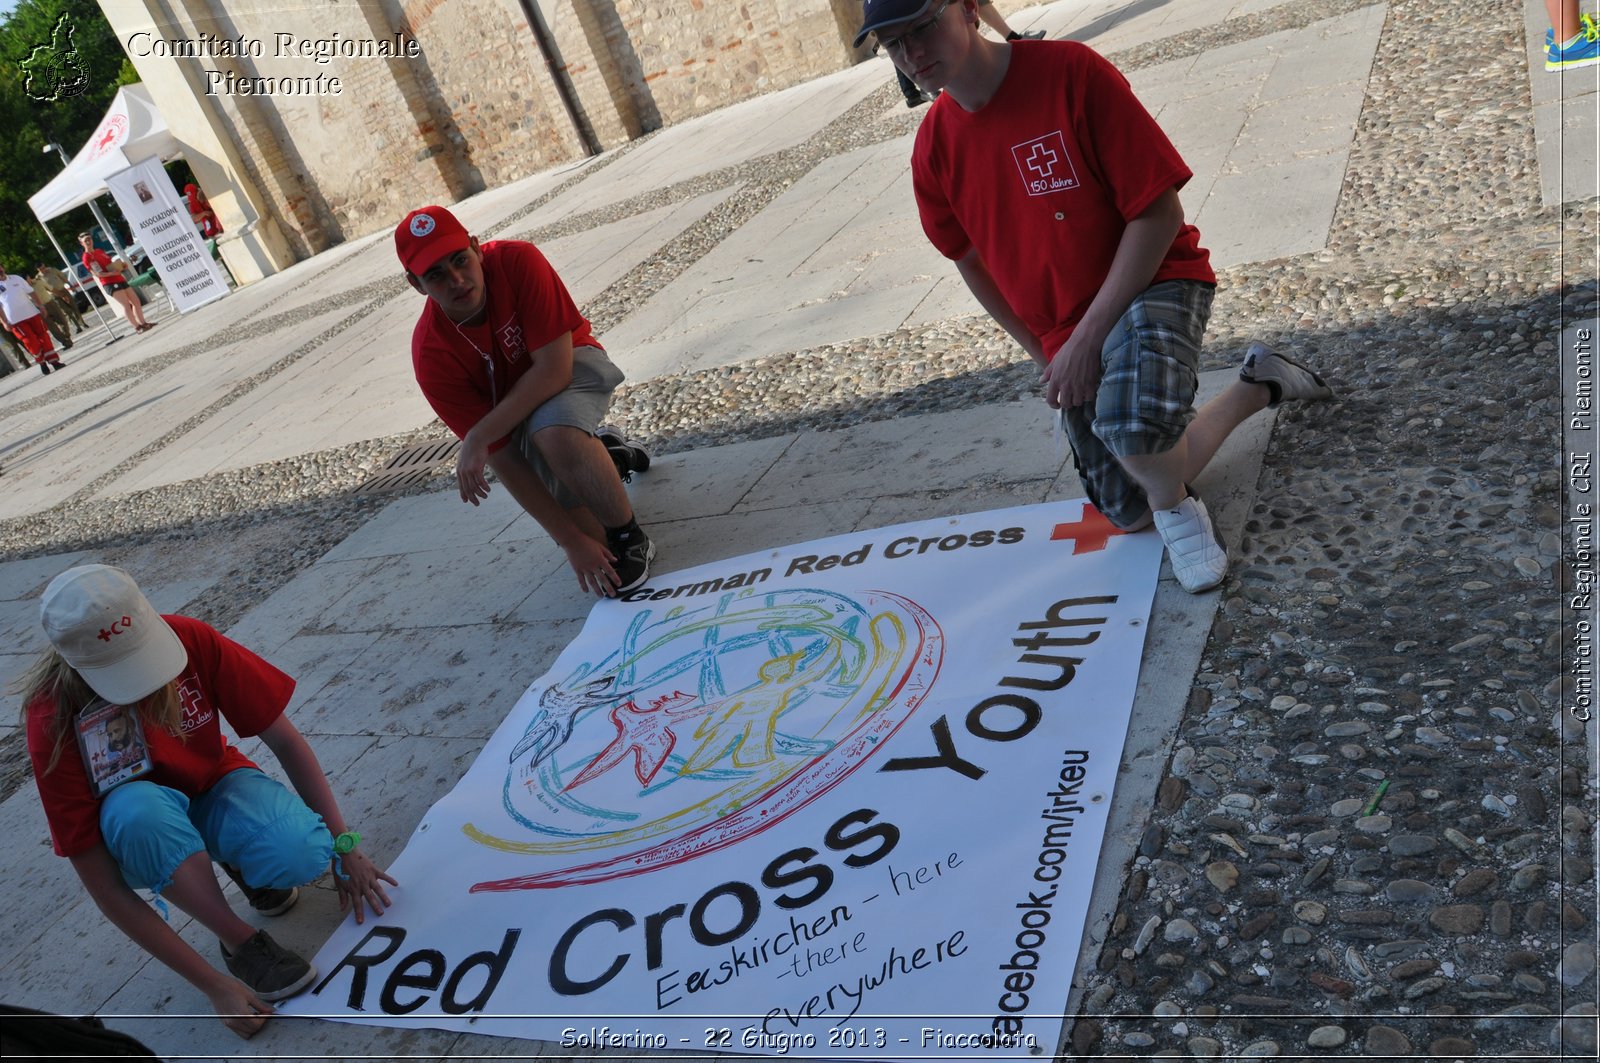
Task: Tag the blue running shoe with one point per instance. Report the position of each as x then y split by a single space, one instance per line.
1591 32
1585 51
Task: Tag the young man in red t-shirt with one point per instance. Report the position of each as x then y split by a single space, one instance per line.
1056 194
510 365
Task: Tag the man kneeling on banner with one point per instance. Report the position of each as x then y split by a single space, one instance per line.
1055 193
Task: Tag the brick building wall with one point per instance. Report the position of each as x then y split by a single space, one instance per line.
480 105
674 59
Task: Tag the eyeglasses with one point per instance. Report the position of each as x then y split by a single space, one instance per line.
897 45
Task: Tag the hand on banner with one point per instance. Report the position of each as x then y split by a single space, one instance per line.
1073 374
470 463
593 564
359 879
237 1006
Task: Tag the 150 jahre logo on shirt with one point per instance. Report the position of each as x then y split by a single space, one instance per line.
1045 165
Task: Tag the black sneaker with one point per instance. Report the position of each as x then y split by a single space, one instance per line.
264 900
633 562
629 458
268 968
44 368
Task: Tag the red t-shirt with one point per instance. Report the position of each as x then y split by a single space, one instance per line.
528 307
1043 179
96 257
222 677
208 223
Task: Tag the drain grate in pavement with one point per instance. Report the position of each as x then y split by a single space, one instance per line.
412 466
435 453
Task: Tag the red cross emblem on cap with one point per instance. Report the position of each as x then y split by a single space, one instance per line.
117 628
421 225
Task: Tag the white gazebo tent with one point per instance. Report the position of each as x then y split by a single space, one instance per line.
131 132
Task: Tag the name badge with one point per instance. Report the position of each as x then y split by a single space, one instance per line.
112 744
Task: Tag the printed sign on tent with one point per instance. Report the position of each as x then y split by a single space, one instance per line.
161 223
840 799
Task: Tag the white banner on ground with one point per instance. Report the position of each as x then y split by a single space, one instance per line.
161 223
840 799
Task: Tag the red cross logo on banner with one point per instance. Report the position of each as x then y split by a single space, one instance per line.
1089 532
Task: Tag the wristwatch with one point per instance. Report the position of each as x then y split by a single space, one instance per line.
344 843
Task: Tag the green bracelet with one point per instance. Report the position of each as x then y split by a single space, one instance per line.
344 843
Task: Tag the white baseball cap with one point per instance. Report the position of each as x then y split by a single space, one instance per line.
102 624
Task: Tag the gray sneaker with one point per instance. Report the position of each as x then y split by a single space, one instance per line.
628 457
267 967
263 899
1283 376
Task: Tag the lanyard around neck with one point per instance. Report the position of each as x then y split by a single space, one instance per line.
488 360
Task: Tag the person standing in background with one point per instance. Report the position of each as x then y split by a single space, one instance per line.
20 309
200 212
98 263
57 283
55 315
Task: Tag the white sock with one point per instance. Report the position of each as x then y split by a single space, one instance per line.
1569 42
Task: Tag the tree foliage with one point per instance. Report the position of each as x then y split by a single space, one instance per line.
60 66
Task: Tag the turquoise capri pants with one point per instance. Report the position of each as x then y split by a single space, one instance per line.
247 820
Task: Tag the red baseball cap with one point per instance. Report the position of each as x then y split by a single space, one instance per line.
426 235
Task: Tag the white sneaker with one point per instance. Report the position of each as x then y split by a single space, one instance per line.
1286 378
1199 559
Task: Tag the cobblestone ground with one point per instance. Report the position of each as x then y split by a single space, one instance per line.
1393 615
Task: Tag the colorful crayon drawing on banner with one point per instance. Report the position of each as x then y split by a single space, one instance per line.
707 726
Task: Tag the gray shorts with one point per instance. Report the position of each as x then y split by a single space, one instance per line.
582 405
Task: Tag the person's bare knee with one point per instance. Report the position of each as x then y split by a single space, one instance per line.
564 445
580 461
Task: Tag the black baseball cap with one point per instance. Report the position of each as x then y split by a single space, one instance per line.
875 14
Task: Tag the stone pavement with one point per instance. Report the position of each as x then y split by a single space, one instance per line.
412 638
760 275
827 258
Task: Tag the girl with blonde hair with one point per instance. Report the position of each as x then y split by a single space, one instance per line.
142 790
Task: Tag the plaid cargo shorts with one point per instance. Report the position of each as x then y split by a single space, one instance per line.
1149 374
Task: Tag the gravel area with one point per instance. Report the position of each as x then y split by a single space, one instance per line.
1392 617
